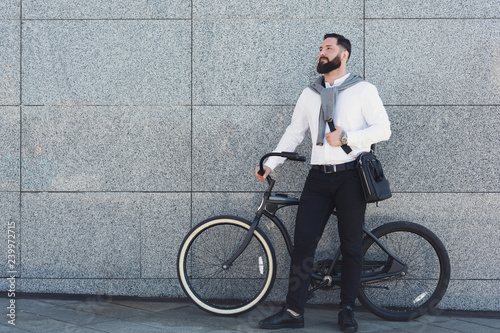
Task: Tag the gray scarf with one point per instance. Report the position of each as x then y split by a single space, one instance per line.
329 101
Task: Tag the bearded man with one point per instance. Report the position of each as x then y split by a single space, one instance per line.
356 109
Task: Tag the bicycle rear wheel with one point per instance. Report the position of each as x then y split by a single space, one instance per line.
421 288
233 290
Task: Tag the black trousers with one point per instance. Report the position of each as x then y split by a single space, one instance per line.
322 193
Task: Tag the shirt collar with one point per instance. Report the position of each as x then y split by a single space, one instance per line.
337 82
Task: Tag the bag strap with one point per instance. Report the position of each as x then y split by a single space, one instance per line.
346 147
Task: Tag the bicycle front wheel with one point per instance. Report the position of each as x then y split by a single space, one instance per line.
421 288
232 290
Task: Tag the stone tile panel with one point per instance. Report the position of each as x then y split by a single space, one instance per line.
276 9
106 62
11 239
102 235
442 149
96 9
106 148
10 9
81 235
262 62
434 62
432 9
9 62
110 287
9 148
228 142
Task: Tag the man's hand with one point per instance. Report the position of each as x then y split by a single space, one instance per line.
333 138
267 171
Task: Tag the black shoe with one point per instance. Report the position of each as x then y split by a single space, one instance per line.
282 319
346 320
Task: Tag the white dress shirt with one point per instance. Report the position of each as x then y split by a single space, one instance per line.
359 111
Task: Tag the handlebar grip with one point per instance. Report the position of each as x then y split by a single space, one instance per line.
286 154
293 156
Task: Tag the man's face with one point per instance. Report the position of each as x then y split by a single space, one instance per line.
329 56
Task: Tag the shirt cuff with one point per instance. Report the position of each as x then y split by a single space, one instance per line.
273 161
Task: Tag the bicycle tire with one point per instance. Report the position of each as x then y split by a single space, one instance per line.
424 284
231 291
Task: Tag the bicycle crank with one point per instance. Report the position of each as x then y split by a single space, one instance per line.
321 278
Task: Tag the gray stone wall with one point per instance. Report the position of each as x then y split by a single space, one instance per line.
124 123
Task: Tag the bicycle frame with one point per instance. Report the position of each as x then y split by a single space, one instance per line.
272 203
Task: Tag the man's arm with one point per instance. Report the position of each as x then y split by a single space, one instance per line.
379 126
293 136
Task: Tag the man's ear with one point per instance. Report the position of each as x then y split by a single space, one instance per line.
345 55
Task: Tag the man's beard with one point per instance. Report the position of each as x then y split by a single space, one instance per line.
329 66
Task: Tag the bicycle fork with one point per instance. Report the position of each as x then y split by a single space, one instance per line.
246 241
248 237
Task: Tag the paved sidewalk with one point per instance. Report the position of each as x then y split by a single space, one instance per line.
113 314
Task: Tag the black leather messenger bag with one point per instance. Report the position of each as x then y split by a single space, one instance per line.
375 185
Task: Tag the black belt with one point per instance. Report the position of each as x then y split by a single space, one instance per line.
330 168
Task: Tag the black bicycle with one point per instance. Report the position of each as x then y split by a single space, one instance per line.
227 265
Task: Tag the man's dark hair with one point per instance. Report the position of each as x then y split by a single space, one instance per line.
342 41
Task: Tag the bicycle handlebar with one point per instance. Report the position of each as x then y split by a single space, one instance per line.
288 155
